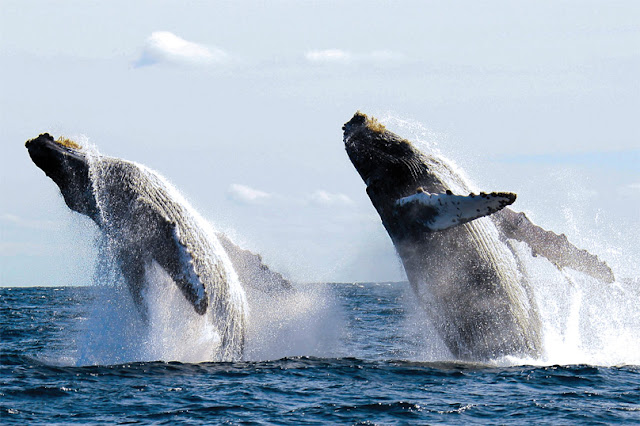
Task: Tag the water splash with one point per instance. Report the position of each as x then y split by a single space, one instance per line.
304 322
584 320
157 322
163 325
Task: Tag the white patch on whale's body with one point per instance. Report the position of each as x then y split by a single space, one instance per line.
444 211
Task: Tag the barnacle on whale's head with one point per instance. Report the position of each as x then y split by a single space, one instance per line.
68 143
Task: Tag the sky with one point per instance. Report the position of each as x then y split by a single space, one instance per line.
240 105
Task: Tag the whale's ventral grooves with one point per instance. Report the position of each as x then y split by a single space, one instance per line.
453 245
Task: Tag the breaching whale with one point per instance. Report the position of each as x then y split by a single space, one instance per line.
453 246
145 221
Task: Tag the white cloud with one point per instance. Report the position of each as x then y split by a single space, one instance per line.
246 194
328 56
163 46
329 199
338 56
383 56
634 186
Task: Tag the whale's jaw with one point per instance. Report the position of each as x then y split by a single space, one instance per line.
64 162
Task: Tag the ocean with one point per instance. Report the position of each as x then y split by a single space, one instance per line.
329 354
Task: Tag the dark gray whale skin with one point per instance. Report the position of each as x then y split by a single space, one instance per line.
466 277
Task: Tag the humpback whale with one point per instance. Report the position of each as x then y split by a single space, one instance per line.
453 245
145 220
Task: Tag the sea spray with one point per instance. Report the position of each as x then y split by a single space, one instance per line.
584 321
162 324
305 322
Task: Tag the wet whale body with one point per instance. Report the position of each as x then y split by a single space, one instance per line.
454 246
146 221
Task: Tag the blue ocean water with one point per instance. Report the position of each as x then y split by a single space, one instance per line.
364 357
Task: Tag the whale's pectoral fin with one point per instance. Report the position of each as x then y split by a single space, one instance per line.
132 264
556 248
174 257
436 212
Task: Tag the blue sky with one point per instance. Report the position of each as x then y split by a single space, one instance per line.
240 105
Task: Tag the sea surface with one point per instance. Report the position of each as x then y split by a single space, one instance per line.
363 357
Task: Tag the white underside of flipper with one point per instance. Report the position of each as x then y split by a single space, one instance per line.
437 212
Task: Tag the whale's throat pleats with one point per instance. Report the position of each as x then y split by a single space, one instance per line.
146 220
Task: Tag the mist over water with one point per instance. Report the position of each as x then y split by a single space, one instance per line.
307 322
115 332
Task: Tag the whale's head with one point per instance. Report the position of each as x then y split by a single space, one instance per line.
384 160
65 162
